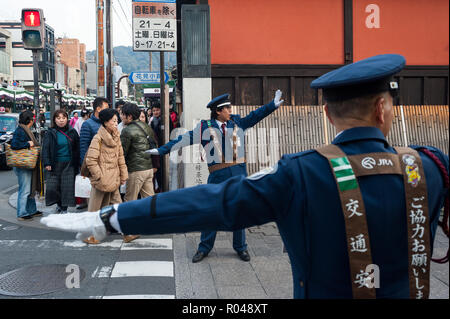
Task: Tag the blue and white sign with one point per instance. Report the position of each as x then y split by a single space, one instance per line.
147 77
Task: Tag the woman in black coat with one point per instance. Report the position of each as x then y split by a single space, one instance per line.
60 158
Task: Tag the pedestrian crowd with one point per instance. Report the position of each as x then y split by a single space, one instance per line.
107 147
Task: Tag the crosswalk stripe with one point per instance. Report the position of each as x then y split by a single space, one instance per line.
150 243
138 244
143 269
103 272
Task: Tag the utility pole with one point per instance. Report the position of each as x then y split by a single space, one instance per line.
100 49
110 96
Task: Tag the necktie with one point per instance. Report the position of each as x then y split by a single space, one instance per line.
224 129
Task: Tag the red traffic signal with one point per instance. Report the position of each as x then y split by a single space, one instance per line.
32 18
33 29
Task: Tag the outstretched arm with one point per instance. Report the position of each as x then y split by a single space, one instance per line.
259 114
237 203
186 139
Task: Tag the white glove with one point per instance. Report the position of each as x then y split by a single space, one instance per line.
153 151
277 100
84 224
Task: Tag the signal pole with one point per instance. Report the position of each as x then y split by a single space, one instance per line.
33 38
36 92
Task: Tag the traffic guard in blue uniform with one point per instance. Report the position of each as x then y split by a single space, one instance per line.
355 201
222 138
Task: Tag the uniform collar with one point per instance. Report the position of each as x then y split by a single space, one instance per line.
360 133
220 123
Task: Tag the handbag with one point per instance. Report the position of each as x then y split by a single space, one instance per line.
84 171
25 158
82 187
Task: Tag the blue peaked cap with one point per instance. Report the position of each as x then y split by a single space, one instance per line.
369 76
368 70
217 101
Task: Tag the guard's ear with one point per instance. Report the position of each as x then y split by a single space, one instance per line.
379 110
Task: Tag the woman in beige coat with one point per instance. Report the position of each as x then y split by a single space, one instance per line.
107 167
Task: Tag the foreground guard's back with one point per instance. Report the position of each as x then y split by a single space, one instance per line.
364 275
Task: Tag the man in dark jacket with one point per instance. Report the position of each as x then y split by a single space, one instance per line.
91 126
136 138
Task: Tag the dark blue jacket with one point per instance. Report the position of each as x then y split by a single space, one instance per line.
49 146
20 139
300 195
88 130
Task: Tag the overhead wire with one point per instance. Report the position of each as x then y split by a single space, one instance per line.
121 21
126 16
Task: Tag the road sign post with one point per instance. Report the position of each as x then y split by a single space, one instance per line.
155 29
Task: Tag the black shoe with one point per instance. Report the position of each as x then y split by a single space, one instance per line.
25 218
244 255
82 206
198 256
37 214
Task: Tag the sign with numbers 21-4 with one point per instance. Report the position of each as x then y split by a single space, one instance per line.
154 25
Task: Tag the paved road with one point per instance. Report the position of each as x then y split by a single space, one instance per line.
143 268
8 181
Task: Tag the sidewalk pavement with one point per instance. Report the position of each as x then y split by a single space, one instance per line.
222 275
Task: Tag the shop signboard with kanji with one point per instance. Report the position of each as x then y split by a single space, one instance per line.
154 25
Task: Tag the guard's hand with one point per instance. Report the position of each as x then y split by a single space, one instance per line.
277 100
84 224
153 151
31 144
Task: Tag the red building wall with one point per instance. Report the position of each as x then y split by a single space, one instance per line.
312 32
277 32
417 29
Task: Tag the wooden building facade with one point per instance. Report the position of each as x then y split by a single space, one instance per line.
258 46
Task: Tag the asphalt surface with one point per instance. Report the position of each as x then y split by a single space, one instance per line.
142 269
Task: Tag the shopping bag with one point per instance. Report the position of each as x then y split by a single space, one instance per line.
123 188
82 187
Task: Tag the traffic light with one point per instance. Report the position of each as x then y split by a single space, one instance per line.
33 29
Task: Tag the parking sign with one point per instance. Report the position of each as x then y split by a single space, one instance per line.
154 25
